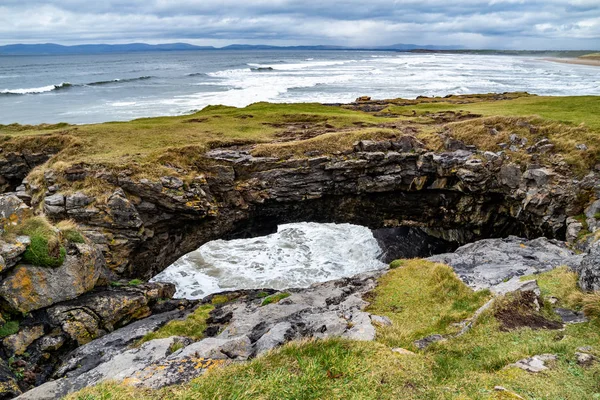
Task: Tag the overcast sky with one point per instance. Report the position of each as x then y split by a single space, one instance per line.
513 24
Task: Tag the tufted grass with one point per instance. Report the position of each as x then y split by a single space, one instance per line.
9 328
274 298
192 327
45 249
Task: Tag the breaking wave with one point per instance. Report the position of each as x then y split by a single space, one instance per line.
67 85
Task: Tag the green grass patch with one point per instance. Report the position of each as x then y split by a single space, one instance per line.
422 298
274 298
192 327
45 249
135 282
9 328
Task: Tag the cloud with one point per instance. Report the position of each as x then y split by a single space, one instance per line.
471 23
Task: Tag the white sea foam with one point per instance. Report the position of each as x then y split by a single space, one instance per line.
298 255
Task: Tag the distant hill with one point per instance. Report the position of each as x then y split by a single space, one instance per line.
57 49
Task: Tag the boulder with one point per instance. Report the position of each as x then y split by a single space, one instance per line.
11 252
12 210
535 364
589 270
18 343
95 314
490 262
27 288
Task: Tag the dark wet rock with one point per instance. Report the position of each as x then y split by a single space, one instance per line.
9 387
589 270
428 341
26 288
14 167
570 316
490 262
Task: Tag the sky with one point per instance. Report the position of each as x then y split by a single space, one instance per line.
498 24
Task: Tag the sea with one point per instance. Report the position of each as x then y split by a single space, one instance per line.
80 89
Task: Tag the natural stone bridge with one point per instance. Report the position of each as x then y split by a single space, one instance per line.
144 225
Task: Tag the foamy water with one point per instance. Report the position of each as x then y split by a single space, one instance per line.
127 86
298 255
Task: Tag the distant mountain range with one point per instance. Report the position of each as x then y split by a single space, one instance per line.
57 49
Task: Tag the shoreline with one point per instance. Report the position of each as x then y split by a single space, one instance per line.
578 61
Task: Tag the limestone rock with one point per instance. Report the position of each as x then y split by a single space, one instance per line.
381 321
20 341
92 315
589 270
490 262
585 359
535 364
12 210
27 288
11 252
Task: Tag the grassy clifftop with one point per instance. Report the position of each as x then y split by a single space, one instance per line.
155 144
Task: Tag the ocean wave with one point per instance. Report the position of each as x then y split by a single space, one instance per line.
197 74
43 89
67 85
100 83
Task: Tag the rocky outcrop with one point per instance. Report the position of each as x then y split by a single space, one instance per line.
243 328
589 270
143 225
26 288
15 166
492 263
47 335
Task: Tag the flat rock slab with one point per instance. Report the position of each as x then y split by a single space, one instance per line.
570 316
491 262
535 364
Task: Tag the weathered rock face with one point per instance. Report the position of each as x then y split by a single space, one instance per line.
12 210
145 225
27 288
589 271
14 167
250 329
492 262
46 336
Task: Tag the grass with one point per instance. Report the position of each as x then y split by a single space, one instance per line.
418 297
407 295
274 298
592 56
45 249
135 282
192 327
70 231
9 328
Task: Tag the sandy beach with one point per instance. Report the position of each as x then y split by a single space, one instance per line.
579 61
